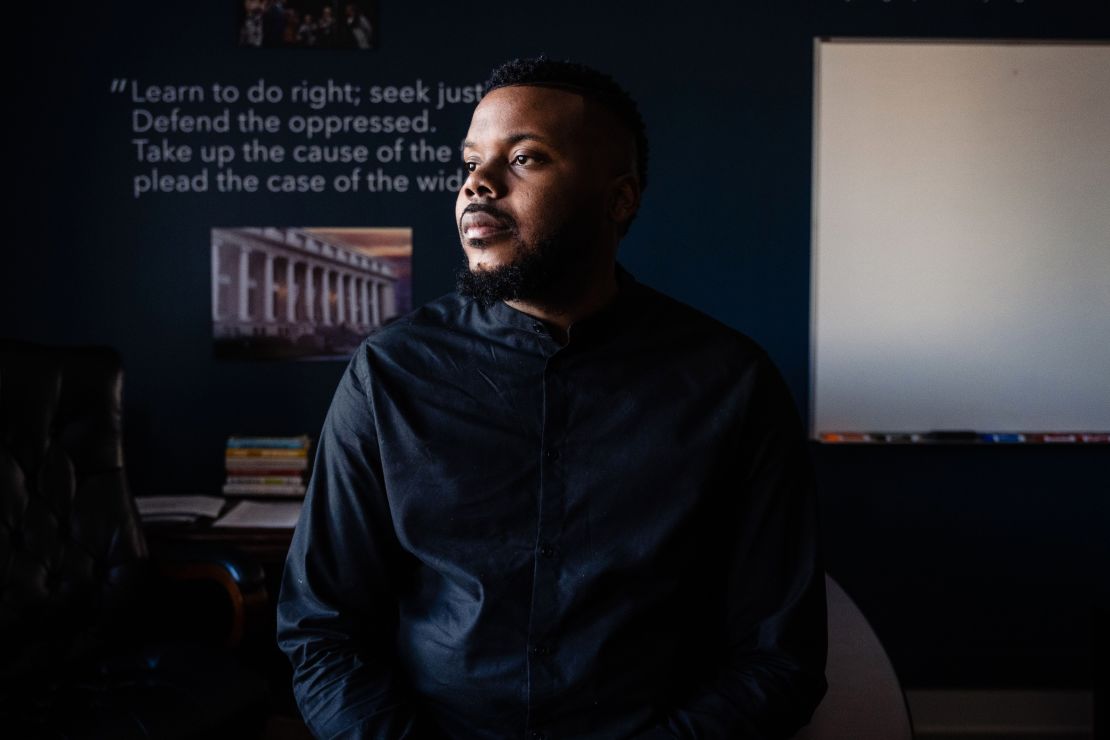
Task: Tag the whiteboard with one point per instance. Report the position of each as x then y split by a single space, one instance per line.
961 237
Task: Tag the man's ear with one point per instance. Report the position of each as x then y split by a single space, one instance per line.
624 198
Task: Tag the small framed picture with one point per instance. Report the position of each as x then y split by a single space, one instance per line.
308 24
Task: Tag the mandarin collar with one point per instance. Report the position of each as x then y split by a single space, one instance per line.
503 313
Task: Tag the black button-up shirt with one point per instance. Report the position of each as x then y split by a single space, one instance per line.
508 537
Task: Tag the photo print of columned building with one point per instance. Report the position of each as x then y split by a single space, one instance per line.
306 293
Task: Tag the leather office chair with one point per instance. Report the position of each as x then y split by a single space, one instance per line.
865 699
81 649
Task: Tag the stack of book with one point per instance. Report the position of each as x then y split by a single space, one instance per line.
266 466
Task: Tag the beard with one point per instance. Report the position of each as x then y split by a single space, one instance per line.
529 277
544 272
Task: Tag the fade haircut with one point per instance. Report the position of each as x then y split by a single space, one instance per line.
587 82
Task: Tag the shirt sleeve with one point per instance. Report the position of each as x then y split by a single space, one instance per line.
773 673
337 612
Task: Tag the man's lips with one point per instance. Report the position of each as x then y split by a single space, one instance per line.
482 225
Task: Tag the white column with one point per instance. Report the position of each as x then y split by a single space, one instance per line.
364 301
244 283
352 299
309 293
325 293
375 306
290 291
268 288
340 299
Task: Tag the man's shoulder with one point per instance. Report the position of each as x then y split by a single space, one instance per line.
679 323
441 314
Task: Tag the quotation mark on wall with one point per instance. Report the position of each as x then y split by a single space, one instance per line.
119 85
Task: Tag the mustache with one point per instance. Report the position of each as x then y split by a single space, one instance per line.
489 210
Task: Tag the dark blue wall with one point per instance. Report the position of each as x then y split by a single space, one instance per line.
978 566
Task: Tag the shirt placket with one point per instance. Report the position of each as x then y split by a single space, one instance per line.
543 637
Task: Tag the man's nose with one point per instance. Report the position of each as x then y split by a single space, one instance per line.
484 182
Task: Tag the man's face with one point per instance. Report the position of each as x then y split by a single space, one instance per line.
536 189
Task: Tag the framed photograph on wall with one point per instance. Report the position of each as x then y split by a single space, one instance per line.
308 24
283 293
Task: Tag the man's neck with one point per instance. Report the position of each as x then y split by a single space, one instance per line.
594 296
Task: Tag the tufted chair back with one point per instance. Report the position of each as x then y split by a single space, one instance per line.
72 551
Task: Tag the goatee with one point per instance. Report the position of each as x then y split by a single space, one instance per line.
541 273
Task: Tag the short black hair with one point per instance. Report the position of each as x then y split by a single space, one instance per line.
586 81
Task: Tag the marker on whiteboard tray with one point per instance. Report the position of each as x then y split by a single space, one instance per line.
1059 437
1003 437
894 437
845 437
961 436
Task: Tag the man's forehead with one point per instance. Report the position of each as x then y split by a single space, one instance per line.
548 113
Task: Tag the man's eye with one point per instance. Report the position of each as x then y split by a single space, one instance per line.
523 159
470 166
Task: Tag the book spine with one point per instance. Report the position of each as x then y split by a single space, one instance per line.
295 443
264 452
289 463
267 470
233 475
234 489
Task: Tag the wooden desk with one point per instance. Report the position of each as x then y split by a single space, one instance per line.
267 545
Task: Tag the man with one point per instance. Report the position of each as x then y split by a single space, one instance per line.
556 503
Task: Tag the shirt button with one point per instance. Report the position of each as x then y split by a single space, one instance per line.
552 454
537 735
547 551
539 328
540 650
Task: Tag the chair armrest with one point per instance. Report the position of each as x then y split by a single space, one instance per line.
239 577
